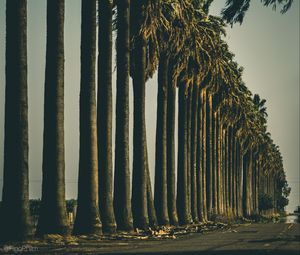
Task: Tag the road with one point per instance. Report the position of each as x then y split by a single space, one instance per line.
257 239
270 238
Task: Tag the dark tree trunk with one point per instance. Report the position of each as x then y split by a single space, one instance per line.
15 221
171 192
53 215
87 217
122 197
160 188
193 153
104 117
139 182
182 195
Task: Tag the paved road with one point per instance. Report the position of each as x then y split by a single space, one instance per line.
257 239
270 238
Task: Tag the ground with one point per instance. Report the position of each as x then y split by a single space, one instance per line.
249 238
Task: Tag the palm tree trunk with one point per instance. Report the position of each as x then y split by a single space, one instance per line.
227 169
122 196
15 221
139 182
171 192
218 162
204 154
230 171
87 217
182 192
199 160
53 215
209 149
188 148
104 117
160 188
193 153
150 202
214 161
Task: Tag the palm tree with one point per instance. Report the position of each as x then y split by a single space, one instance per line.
53 215
122 197
235 10
87 217
104 117
15 222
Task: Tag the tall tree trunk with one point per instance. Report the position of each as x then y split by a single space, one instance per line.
139 182
234 169
209 165
15 221
188 146
182 195
204 154
104 117
218 162
214 159
87 217
230 169
193 153
227 164
199 160
171 192
53 215
160 188
122 196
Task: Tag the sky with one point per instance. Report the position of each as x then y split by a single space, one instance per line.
266 45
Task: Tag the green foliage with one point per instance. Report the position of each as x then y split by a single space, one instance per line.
35 205
265 202
282 202
71 204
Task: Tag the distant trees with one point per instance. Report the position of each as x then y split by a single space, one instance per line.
227 163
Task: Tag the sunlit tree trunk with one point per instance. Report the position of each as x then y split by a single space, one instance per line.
104 116
53 215
15 221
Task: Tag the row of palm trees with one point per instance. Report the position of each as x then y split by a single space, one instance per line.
225 156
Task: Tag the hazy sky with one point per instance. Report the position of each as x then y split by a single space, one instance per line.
266 45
